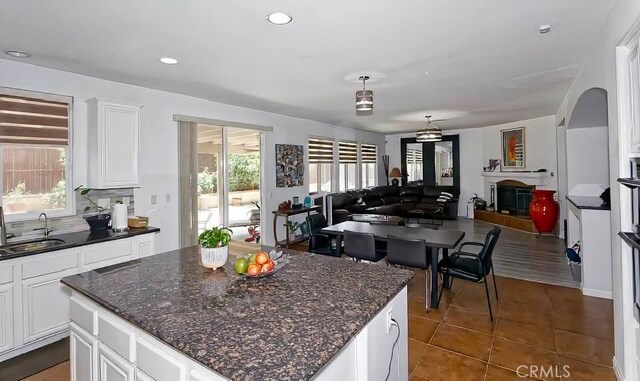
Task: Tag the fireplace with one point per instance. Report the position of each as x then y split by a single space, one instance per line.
514 197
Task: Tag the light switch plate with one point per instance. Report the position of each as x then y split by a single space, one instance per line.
154 199
126 201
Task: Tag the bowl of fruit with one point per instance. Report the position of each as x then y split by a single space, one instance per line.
260 264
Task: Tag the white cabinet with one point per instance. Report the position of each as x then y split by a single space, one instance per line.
46 305
112 367
6 317
143 245
114 144
84 355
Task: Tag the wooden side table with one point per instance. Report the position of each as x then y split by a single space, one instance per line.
286 214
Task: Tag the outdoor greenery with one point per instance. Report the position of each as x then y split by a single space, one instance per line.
207 182
244 174
57 197
215 237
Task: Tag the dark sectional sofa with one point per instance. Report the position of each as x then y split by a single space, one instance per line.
409 201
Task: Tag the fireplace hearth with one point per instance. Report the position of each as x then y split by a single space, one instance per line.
514 197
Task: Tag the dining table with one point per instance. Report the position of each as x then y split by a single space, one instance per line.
437 240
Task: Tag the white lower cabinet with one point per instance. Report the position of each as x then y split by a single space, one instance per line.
142 376
84 354
112 367
6 317
46 305
35 308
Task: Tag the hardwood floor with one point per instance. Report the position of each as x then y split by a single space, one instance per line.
523 255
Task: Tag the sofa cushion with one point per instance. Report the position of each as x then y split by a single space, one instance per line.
386 190
341 200
389 210
388 200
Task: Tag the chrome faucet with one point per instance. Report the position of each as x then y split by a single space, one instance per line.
46 224
3 228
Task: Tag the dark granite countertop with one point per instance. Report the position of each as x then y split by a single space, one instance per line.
585 202
283 327
80 238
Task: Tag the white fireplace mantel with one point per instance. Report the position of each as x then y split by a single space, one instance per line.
529 178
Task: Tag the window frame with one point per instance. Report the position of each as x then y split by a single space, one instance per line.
361 164
345 176
70 199
319 164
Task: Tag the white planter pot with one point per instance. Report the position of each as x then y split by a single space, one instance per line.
214 258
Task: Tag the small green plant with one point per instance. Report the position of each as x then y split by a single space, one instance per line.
18 191
215 237
207 182
292 226
84 192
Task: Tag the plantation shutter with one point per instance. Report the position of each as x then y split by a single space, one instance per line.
414 156
348 152
368 153
26 120
320 150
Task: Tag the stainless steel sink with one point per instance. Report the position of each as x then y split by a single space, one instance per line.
25 247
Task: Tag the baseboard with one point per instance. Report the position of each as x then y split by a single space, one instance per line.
617 369
35 345
597 293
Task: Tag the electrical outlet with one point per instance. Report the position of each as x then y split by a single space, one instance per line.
154 199
104 202
389 317
126 201
168 197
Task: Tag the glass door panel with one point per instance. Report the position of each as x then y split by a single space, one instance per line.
444 163
210 177
414 163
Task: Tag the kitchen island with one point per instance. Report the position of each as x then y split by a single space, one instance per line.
168 318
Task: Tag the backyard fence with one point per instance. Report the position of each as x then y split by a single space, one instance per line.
39 169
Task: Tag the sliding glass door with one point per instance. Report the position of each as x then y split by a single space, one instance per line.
219 180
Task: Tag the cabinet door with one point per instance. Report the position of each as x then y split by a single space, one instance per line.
6 317
142 376
83 355
634 77
46 304
112 367
144 246
119 129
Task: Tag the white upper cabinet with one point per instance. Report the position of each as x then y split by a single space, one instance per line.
114 144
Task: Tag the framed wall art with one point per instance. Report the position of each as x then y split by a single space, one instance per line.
289 165
513 148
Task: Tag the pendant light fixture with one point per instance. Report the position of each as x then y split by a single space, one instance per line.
430 133
364 97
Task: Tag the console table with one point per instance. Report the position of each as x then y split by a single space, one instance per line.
286 214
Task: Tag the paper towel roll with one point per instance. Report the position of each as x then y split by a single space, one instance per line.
120 218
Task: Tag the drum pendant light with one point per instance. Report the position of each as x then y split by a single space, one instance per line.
430 133
364 97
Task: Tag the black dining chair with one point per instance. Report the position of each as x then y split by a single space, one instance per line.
473 267
319 243
410 253
362 246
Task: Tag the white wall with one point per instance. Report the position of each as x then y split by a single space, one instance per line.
159 147
478 145
587 156
599 70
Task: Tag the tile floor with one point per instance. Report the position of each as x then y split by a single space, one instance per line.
535 324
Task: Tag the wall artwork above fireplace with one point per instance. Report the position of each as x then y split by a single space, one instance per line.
513 148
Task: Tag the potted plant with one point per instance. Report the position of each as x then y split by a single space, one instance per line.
100 219
214 246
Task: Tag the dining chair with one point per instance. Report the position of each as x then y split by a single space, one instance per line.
362 246
410 253
473 267
319 243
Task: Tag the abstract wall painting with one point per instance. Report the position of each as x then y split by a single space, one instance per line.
513 148
289 165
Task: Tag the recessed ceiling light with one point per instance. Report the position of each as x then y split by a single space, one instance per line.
544 29
17 53
279 18
168 60
426 73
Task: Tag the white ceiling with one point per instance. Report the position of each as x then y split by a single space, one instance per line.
487 63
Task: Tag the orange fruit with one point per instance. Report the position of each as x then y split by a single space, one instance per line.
254 269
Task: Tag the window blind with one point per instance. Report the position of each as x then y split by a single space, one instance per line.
368 153
414 155
25 120
320 150
348 152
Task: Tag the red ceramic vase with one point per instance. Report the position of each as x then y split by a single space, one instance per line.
544 210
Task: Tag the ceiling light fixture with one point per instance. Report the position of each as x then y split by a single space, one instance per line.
279 18
168 60
364 97
544 29
17 53
430 133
